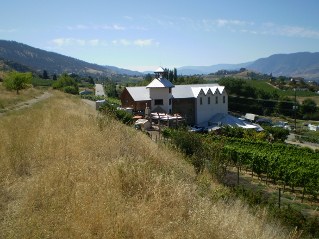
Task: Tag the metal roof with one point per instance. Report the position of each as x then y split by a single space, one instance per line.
160 83
141 93
192 91
159 70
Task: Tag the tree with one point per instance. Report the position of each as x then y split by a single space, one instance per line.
175 75
17 81
110 89
45 75
308 107
91 80
148 77
67 84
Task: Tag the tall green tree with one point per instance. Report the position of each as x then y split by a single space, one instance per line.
308 107
110 89
17 81
175 75
45 75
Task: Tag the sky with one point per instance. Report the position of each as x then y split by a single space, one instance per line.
144 34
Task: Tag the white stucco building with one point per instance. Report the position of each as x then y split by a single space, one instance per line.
197 103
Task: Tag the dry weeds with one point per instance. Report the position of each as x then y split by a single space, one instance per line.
9 99
66 172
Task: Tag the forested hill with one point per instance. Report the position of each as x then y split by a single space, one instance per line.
302 64
39 60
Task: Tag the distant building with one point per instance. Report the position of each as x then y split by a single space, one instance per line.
313 127
196 103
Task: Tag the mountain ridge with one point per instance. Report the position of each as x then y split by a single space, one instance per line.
24 57
299 64
55 63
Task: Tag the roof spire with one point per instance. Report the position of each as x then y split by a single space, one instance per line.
159 73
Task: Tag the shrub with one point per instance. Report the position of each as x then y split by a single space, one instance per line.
279 134
71 90
67 84
121 115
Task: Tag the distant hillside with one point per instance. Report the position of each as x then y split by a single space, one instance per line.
302 64
6 65
40 60
194 70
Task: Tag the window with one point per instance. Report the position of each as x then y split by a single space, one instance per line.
224 99
169 90
200 100
158 102
170 101
216 99
208 100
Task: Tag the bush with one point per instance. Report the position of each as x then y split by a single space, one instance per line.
120 115
93 97
71 90
279 134
67 84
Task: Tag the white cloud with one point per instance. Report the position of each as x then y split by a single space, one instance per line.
227 22
62 42
295 31
145 42
8 30
288 31
94 42
137 42
81 27
118 27
122 42
128 18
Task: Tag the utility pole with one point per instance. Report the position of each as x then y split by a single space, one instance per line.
295 103
295 108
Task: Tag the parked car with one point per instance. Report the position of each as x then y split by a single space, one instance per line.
198 129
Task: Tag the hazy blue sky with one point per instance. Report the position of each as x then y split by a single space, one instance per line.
144 34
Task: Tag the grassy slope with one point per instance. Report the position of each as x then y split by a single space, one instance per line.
10 98
66 172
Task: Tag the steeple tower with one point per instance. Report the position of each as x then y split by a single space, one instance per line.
160 90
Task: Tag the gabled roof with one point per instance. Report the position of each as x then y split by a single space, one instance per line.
192 91
160 83
139 93
159 70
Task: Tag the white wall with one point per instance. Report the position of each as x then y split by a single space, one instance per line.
206 111
161 93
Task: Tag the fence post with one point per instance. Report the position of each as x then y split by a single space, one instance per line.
237 175
279 196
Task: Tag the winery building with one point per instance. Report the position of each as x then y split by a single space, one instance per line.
197 103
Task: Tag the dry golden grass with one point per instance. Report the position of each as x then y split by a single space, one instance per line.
10 98
66 172
314 98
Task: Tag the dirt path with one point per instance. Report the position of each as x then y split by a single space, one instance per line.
292 140
26 104
99 90
89 102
